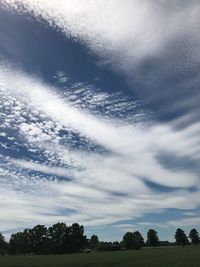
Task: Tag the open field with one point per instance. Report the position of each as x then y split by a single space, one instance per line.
159 257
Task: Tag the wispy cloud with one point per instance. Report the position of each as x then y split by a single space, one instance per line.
128 30
154 44
103 187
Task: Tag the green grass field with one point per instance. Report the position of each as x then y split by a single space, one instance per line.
159 257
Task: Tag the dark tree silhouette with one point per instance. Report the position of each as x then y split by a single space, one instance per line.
181 238
194 236
57 239
133 240
152 238
94 240
78 239
39 239
3 245
20 243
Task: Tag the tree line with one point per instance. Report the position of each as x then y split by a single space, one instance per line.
56 239
60 239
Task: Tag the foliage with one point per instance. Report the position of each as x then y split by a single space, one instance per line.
20 243
39 239
56 239
133 240
3 245
152 238
94 240
194 236
181 238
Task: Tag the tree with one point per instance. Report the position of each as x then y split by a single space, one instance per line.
133 240
138 240
152 238
77 238
128 240
3 245
59 238
94 240
26 239
181 238
20 243
194 236
39 239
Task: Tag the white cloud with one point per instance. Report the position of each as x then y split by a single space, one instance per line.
124 31
105 187
194 221
150 42
184 222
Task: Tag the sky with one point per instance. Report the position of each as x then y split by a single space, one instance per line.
99 115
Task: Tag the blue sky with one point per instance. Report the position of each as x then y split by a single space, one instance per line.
99 112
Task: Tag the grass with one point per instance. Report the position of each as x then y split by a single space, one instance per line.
158 257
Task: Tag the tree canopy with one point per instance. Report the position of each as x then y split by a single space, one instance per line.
133 240
181 238
3 244
152 238
194 236
56 239
94 240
